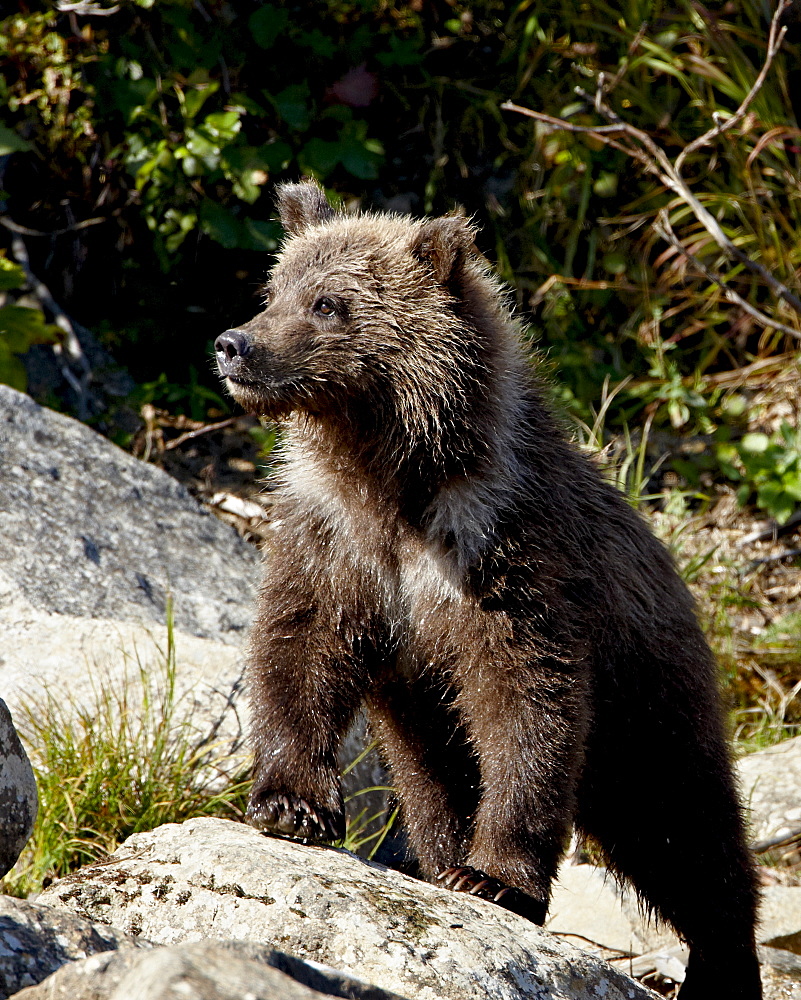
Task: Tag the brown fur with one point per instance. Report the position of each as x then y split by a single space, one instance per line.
528 656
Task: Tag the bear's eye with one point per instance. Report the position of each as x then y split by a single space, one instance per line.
325 307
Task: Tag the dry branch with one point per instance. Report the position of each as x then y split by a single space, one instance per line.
639 146
663 228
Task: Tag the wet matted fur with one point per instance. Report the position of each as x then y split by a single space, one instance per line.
527 654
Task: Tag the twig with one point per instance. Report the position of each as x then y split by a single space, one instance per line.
15 227
766 560
641 147
782 841
206 429
110 860
624 64
619 952
662 228
85 7
775 39
773 531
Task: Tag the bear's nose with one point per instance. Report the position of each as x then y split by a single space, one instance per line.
232 344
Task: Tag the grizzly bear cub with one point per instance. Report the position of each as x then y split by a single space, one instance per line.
527 655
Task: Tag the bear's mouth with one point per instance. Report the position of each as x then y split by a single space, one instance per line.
263 398
249 383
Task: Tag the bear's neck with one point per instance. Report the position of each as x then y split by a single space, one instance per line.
437 466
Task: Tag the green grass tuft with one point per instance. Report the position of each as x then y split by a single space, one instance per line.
127 760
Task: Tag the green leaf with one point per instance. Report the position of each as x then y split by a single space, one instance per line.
266 24
220 224
175 227
247 104
606 185
402 52
320 156
292 104
132 97
201 154
755 442
321 44
249 167
792 485
678 412
232 233
222 124
196 97
734 405
261 235
11 275
20 327
275 156
10 142
776 501
12 370
614 262
360 156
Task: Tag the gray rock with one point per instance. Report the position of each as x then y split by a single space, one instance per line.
781 974
667 964
781 970
213 877
780 917
18 797
65 665
88 530
70 661
36 940
591 910
770 781
208 970
589 907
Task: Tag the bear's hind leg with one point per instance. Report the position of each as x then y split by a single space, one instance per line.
680 842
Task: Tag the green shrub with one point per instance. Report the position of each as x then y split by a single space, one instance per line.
172 121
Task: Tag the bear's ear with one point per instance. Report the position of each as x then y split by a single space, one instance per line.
302 205
444 243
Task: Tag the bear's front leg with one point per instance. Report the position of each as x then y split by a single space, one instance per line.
307 677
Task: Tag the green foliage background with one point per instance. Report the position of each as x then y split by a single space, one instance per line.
147 143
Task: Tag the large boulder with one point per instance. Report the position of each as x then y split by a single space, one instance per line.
210 877
207 970
770 781
62 667
87 530
36 940
780 917
591 908
18 797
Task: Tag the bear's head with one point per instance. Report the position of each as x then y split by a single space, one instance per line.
363 314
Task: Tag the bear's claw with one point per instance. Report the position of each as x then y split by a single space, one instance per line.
475 882
292 816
